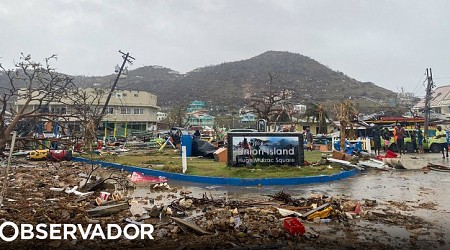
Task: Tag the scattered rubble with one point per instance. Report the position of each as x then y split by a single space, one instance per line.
182 220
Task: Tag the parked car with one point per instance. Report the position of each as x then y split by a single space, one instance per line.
430 143
52 155
59 155
38 154
393 146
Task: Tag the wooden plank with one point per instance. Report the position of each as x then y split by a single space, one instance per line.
345 163
190 225
109 203
305 215
296 208
107 210
94 185
437 167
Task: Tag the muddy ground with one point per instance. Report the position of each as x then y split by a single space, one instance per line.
244 219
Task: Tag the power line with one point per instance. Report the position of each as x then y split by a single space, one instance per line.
420 81
419 90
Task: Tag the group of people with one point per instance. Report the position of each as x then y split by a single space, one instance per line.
399 133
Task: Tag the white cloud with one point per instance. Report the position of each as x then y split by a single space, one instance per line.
386 42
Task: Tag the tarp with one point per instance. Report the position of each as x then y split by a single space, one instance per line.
141 178
203 148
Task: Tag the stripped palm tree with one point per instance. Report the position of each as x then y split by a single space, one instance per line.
345 112
317 113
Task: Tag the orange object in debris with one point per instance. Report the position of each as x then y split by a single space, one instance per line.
321 214
293 226
221 155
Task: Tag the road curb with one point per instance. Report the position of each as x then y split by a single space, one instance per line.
225 180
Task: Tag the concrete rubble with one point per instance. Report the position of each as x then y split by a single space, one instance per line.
48 192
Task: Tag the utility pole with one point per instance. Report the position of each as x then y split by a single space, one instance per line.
5 178
126 58
430 86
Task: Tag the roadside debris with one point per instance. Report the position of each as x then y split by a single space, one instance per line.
182 223
440 168
106 210
141 178
279 220
293 226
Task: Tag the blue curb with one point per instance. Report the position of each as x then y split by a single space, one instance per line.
224 180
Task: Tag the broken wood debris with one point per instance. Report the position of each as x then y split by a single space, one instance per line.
107 210
191 226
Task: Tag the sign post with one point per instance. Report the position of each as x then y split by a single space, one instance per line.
183 158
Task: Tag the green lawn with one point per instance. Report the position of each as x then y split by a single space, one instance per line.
168 160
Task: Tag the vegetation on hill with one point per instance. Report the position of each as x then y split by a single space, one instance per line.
228 84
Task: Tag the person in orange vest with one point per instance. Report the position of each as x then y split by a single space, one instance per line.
395 133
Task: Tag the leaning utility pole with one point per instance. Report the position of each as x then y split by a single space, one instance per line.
430 86
126 58
5 178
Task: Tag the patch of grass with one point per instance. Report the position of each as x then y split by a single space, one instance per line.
170 160
154 161
260 172
171 168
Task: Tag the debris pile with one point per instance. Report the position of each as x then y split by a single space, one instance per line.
70 192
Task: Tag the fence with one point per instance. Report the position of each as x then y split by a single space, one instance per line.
365 143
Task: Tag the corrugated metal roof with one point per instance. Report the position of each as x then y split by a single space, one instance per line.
438 97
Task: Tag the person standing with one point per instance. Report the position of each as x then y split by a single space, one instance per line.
386 138
400 136
441 136
376 134
419 136
413 136
309 140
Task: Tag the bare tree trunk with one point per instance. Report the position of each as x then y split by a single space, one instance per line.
342 138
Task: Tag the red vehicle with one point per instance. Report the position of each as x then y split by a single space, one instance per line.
59 155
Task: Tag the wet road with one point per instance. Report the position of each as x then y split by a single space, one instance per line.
414 189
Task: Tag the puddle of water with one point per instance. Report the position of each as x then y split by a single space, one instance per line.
413 187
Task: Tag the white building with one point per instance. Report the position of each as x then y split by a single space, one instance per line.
300 109
128 110
439 101
160 116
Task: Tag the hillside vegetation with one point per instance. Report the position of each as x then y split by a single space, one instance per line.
227 84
